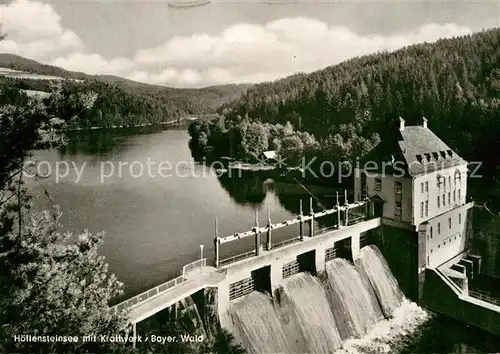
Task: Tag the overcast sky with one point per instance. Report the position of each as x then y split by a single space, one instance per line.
226 41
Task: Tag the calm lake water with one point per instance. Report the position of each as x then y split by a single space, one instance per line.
154 225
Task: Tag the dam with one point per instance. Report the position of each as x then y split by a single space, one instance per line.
414 226
262 268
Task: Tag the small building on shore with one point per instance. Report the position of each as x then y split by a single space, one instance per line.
270 156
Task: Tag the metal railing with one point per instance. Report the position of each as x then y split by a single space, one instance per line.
457 283
285 242
193 265
237 258
157 290
146 295
484 296
355 219
325 229
448 280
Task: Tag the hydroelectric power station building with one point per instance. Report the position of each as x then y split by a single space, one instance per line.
418 187
409 200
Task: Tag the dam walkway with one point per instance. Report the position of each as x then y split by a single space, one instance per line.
195 276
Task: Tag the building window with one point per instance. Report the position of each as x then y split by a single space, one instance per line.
397 211
426 208
444 200
444 183
459 198
438 201
454 196
459 218
431 231
378 184
449 198
439 228
449 181
421 209
426 186
422 187
449 223
398 187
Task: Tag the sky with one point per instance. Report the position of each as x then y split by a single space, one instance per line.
229 41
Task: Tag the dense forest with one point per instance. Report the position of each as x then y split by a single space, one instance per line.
347 108
247 139
113 105
121 101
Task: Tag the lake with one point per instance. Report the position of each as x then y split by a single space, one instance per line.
156 221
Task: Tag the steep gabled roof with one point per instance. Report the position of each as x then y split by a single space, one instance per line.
413 150
378 198
425 152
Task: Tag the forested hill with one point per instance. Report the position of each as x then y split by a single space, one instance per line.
123 101
455 83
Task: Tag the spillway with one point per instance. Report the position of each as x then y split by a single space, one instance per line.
354 303
372 263
303 298
355 309
256 325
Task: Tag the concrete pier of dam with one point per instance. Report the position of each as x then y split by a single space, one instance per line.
265 272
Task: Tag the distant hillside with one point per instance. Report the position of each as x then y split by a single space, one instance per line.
17 62
455 83
180 101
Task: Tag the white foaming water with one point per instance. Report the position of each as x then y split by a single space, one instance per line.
385 335
256 325
304 298
373 264
354 303
311 317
